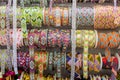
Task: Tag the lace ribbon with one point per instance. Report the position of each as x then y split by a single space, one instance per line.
15 36
8 34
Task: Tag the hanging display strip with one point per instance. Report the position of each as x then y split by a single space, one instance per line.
96 16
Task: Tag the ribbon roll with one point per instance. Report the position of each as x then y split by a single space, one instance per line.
91 62
98 63
65 17
110 40
117 16
36 17
104 17
78 64
85 56
46 17
43 39
80 38
40 61
57 16
85 17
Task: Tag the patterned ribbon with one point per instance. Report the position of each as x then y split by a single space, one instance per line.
3 59
85 16
80 40
3 41
43 39
23 60
117 16
31 52
78 63
85 56
104 18
97 63
58 74
24 24
40 60
65 17
110 40
57 17
8 34
36 16
2 17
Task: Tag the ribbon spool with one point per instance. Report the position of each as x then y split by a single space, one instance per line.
85 17
40 62
58 38
104 17
80 39
78 64
110 40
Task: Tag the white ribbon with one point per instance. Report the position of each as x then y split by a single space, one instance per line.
73 38
15 36
8 34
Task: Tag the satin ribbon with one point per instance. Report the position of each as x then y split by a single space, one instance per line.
85 16
31 52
